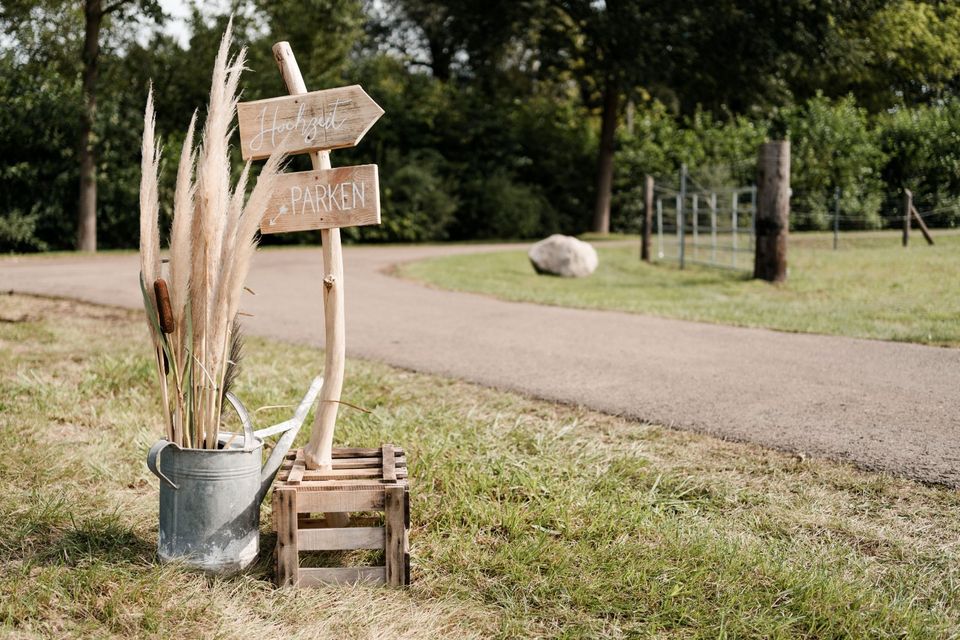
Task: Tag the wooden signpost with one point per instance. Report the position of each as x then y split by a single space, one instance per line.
327 199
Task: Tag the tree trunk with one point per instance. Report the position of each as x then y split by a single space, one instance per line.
601 210
440 60
87 202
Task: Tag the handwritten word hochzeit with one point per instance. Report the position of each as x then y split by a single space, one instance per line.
309 127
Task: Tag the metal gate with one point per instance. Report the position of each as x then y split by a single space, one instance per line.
714 228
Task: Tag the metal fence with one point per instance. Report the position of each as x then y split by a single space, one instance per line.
709 227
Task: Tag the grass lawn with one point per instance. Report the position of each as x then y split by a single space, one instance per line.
870 288
530 519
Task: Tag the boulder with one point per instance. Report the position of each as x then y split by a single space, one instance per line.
565 256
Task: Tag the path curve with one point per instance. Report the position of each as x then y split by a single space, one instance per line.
881 405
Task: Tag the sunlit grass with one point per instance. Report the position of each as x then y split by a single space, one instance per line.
870 288
529 519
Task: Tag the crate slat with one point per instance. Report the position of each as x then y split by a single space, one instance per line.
389 463
353 463
342 538
339 501
342 575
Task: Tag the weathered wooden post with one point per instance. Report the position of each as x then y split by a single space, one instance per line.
836 217
647 218
681 222
921 224
907 209
773 211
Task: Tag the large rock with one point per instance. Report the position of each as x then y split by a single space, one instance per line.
565 256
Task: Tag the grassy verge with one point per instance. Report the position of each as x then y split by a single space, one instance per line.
530 519
870 288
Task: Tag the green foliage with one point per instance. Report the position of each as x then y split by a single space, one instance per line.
416 203
38 173
923 150
833 147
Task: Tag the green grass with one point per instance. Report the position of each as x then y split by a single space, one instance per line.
870 288
529 519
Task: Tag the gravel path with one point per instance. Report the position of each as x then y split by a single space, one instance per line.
881 405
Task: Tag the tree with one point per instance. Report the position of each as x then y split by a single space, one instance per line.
95 12
611 48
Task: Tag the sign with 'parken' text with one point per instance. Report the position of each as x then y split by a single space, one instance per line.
320 120
323 199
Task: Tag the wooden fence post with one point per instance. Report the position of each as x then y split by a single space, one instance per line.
647 218
773 211
921 224
907 208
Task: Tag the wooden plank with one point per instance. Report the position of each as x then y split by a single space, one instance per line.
922 225
305 522
296 472
368 484
366 463
340 538
389 463
319 120
342 575
348 452
339 501
354 463
341 474
323 199
285 517
395 535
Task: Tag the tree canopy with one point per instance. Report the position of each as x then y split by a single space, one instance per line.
507 118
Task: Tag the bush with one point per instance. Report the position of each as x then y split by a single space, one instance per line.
923 154
833 146
415 202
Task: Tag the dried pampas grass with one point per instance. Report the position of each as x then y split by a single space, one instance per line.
212 241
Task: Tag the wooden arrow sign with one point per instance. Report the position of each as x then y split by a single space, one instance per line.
324 199
320 120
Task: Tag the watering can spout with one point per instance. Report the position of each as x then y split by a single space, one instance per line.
289 429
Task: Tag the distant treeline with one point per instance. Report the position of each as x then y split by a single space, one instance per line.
502 116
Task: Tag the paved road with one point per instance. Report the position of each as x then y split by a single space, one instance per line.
883 406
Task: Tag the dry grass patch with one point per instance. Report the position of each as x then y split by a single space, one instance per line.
530 519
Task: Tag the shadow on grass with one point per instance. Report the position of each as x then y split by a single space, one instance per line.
100 539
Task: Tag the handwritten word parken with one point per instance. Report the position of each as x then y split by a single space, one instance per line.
324 199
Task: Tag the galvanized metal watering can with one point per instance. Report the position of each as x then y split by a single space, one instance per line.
210 498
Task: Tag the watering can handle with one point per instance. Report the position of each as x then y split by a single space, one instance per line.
244 415
152 458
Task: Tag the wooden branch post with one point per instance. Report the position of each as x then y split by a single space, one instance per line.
773 211
318 451
647 218
319 479
907 208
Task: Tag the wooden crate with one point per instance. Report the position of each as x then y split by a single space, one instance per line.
361 481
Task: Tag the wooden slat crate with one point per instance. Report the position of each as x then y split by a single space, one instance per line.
362 480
